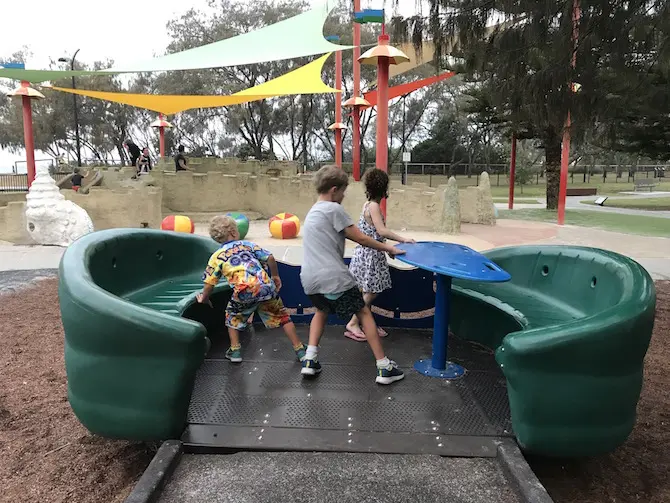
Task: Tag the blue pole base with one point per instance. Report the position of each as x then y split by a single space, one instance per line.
452 370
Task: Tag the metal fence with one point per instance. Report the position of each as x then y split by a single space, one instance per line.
19 183
437 173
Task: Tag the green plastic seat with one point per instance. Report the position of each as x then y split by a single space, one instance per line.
131 353
570 330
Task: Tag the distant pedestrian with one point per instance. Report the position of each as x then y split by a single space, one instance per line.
180 160
77 179
133 151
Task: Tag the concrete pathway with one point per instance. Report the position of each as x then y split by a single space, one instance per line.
336 478
652 252
577 203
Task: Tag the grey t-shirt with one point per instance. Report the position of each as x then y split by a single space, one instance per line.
323 268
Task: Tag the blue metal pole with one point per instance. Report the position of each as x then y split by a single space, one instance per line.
441 324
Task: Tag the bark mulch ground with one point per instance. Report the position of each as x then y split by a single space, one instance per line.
639 470
46 455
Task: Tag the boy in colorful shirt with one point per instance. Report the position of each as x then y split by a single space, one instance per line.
243 264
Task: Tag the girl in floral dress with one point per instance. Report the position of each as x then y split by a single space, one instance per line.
369 266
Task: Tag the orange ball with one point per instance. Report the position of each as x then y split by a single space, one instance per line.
178 223
284 226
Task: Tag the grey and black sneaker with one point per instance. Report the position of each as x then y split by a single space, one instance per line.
234 355
310 367
390 374
301 352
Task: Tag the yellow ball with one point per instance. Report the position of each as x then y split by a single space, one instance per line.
284 226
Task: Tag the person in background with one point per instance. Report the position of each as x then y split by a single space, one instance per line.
133 151
77 179
180 160
144 162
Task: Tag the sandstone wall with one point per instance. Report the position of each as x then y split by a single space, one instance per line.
115 208
13 223
232 166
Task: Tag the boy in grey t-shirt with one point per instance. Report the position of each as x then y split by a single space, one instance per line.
326 278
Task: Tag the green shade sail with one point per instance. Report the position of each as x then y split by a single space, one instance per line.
296 37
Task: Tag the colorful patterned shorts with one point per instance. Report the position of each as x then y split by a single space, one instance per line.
272 313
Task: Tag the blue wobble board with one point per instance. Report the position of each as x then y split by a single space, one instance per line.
454 260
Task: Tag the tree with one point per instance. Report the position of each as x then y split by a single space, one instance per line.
524 63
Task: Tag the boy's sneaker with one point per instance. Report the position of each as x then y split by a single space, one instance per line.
301 352
234 355
390 374
310 367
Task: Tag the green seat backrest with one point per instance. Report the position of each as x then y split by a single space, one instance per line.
574 372
587 280
130 368
133 261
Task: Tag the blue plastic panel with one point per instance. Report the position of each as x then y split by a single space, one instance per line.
450 259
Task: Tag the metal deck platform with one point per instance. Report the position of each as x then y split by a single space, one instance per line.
265 404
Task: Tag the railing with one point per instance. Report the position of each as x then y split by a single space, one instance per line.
19 183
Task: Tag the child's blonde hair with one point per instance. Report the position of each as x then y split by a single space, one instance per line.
223 228
330 176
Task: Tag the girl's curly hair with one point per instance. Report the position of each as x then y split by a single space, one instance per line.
376 184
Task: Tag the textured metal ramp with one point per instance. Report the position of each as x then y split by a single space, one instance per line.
264 403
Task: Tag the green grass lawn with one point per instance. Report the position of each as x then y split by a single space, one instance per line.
519 200
630 224
638 203
540 190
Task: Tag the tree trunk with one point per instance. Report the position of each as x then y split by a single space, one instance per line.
552 153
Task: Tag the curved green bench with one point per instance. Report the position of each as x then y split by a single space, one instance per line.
133 376
571 330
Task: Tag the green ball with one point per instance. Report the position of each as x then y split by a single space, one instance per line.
242 223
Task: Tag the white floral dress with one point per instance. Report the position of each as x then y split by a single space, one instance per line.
369 266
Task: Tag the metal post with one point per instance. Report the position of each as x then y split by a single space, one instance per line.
76 112
441 328
382 112
356 122
338 108
28 136
512 173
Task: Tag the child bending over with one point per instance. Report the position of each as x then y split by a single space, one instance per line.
243 264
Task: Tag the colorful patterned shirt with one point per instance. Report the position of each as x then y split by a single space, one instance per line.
241 263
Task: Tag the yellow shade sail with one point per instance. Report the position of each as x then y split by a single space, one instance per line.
304 80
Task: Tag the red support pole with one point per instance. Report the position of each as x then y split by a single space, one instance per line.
512 172
338 108
28 136
565 151
383 112
356 133
161 135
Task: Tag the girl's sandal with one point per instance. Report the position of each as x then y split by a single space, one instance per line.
381 332
357 335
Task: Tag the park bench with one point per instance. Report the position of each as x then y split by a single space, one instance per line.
645 183
582 191
570 332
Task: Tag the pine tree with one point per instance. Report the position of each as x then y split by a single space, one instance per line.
525 62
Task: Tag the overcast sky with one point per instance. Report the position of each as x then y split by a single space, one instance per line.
122 30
